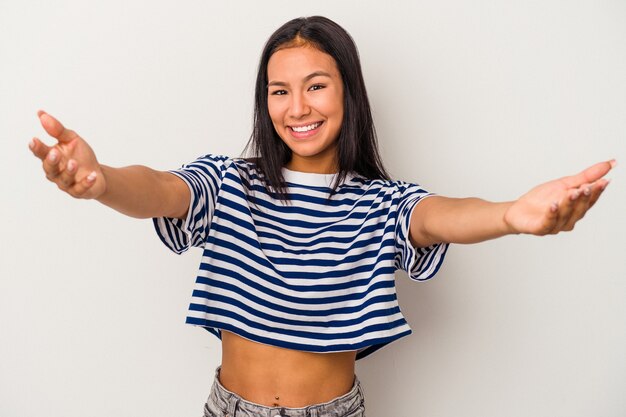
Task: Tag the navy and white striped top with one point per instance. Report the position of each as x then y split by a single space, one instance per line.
314 275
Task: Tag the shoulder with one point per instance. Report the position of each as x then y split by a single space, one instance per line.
246 168
389 185
240 169
215 159
217 162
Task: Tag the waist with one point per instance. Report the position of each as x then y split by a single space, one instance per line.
278 377
222 402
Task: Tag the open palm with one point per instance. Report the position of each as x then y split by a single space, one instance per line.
71 163
557 205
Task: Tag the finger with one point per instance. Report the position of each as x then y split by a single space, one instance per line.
597 191
54 128
38 148
67 177
603 183
590 195
581 206
551 220
589 175
51 164
566 209
82 186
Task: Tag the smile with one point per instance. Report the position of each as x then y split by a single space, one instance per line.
302 129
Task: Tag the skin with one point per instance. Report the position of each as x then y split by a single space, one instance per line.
270 375
305 87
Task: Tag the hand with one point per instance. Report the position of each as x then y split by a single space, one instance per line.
71 163
557 205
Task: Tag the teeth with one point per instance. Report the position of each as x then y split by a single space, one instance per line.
305 128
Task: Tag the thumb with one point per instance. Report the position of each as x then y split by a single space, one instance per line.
589 175
54 128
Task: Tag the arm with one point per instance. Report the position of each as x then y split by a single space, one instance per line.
546 209
136 191
142 192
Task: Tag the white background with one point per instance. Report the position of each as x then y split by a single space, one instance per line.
477 98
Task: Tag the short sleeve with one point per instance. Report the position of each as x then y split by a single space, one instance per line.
204 178
420 263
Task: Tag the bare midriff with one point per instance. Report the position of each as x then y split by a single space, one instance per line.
274 376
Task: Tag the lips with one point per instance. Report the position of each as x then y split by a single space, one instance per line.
305 131
302 129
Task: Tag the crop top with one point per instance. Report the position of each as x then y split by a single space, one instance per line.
313 274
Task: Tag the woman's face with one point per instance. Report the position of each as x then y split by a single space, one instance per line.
305 103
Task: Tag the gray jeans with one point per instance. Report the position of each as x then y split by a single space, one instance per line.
223 403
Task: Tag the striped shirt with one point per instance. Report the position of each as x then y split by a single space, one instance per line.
315 274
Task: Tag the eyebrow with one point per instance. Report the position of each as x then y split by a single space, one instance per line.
307 78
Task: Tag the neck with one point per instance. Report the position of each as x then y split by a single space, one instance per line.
312 165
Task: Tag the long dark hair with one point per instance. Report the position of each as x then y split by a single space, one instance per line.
357 146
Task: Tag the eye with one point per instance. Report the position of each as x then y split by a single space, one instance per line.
316 87
278 92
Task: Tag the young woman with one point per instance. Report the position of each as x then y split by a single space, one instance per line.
301 241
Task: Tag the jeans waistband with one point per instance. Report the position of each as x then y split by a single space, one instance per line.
229 404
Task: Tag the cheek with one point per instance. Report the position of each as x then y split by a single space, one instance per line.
276 116
275 113
337 112
335 107
340 112
329 107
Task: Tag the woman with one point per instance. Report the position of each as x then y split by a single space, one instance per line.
301 241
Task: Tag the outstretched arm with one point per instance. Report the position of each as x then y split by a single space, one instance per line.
546 209
136 191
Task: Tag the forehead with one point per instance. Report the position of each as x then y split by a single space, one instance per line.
298 62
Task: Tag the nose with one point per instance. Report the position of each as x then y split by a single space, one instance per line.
299 106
